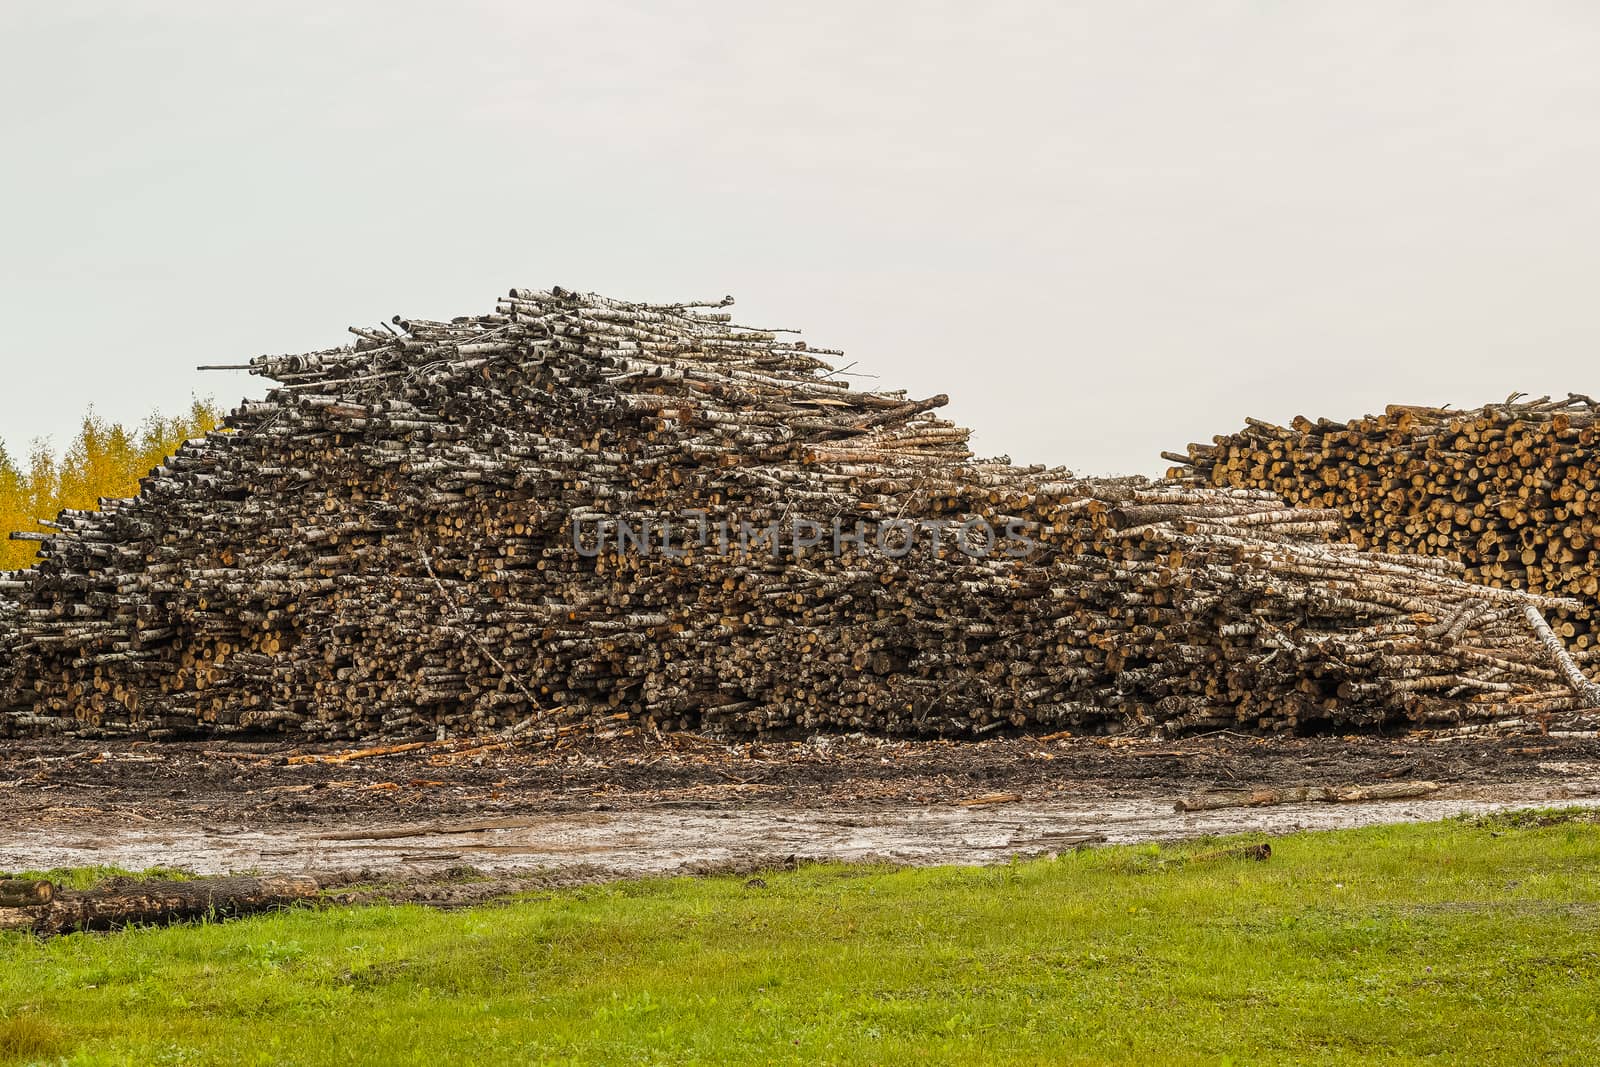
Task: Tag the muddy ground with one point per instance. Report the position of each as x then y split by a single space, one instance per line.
592 810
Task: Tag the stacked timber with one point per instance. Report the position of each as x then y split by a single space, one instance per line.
9 636
1511 491
574 509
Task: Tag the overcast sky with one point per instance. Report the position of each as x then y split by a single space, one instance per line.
1104 228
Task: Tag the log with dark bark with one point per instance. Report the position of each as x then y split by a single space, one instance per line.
24 892
158 902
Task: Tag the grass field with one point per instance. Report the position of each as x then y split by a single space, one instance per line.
1467 942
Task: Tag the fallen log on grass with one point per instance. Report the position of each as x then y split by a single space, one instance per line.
157 902
1324 794
24 892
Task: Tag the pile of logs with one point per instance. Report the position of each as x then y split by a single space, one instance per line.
9 633
1511 491
416 536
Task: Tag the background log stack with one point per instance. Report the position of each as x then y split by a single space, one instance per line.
406 537
1511 491
10 635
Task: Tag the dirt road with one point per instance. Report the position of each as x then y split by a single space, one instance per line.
686 804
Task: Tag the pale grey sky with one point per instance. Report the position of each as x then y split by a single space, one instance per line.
1105 228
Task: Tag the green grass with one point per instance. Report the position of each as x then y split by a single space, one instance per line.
1465 942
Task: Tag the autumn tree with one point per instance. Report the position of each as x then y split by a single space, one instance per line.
104 460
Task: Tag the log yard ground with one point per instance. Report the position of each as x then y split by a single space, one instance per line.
593 810
1016 900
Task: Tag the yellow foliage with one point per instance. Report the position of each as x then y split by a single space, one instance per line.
105 460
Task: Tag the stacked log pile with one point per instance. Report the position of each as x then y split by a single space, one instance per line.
415 535
1511 491
9 636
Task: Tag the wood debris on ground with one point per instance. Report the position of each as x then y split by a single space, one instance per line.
1320 794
